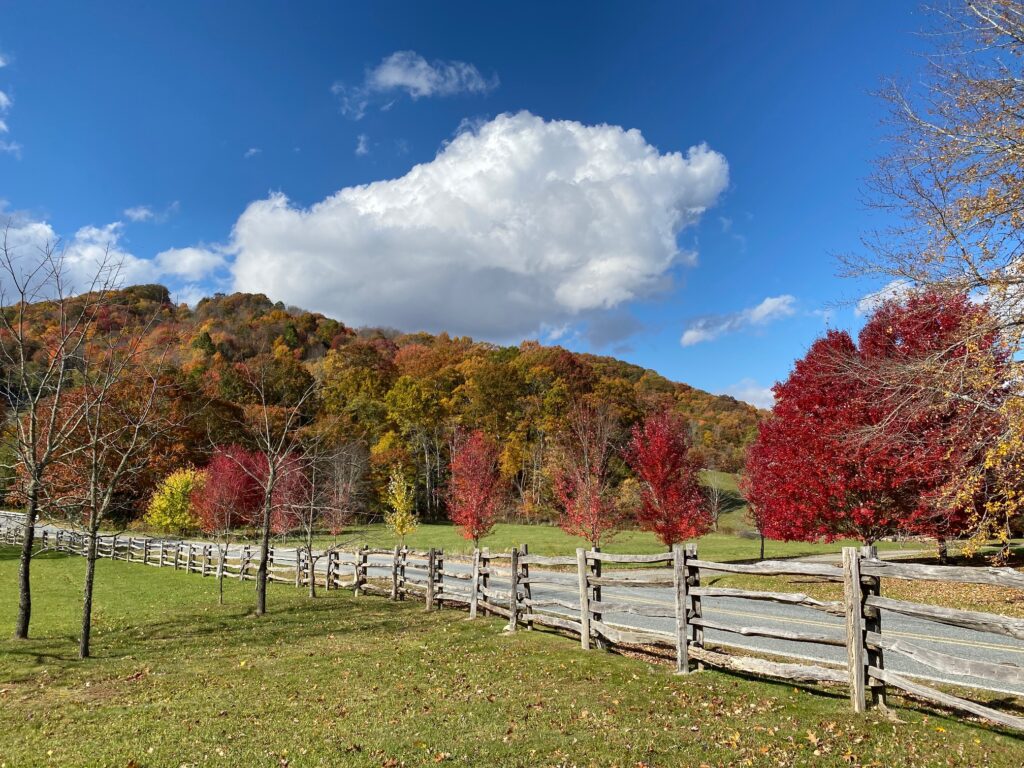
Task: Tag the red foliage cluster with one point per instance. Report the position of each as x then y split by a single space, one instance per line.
672 500
848 450
233 492
474 491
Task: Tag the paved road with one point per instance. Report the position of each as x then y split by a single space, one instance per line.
939 637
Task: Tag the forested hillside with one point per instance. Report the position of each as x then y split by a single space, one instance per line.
394 399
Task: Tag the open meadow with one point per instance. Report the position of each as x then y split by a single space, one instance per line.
178 680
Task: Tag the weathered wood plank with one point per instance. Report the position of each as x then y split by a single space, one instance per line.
550 602
804 673
834 607
947 700
546 560
608 557
632 636
659 610
837 640
1000 577
944 662
553 621
853 600
984 622
615 581
680 609
582 573
771 568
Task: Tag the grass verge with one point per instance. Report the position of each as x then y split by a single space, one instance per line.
181 681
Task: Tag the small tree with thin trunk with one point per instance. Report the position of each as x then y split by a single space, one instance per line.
228 498
401 500
581 476
278 399
672 502
475 488
39 347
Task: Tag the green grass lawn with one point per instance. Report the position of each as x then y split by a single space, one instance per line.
181 681
551 540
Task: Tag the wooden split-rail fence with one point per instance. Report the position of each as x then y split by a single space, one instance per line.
577 594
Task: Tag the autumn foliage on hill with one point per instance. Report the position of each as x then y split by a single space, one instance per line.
851 449
391 399
672 501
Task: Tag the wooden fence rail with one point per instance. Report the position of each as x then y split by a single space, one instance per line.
578 599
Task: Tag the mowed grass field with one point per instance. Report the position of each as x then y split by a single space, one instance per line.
342 681
735 539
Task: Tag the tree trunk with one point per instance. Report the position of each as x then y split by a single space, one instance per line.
312 574
943 550
261 572
90 577
762 547
220 576
25 565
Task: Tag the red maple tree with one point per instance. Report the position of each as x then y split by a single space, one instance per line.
474 491
852 448
672 502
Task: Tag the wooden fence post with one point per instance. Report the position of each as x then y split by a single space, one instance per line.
527 591
693 580
595 595
474 585
177 554
333 559
431 564
682 621
583 571
162 554
246 560
513 599
361 569
439 579
191 557
872 585
401 573
298 567
853 604
394 571
206 560
485 576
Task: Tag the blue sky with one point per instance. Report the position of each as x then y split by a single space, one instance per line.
218 146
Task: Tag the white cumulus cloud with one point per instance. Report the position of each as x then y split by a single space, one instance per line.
749 391
711 327
190 263
408 72
518 224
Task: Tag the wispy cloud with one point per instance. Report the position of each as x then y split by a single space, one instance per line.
711 327
6 102
362 145
252 152
409 73
142 213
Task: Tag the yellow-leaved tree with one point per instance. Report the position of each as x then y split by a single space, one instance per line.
401 515
170 509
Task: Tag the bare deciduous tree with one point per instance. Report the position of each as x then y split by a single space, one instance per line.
40 348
